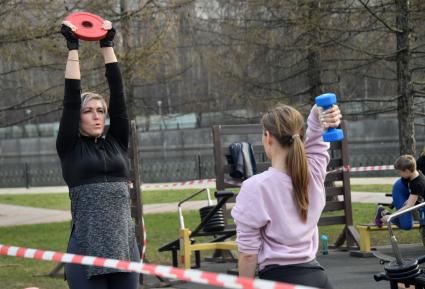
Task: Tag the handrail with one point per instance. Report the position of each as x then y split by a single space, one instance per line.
191 196
180 212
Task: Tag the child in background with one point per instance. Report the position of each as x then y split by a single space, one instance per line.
407 191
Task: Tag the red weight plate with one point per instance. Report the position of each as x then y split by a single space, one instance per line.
89 26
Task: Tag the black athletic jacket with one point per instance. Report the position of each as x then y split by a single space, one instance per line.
86 160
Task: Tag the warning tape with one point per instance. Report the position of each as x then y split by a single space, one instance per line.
190 275
368 168
177 185
212 182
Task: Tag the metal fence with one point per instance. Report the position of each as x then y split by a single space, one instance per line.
170 170
373 155
153 171
174 169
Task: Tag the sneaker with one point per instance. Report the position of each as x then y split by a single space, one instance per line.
380 212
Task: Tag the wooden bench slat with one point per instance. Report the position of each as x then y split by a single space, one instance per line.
334 176
331 220
334 191
373 227
334 206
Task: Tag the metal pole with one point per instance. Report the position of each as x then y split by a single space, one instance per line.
198 158
27 175
390 230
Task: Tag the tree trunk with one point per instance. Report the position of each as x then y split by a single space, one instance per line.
126 47
314 72
405 113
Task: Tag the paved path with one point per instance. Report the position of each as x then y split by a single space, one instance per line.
11 215
365 197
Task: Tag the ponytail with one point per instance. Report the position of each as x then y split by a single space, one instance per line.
297 166
286 124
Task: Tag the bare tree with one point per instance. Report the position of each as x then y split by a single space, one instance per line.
393 20
405 113
208 56
32 53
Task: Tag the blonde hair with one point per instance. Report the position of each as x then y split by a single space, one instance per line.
405 162
286 124
88 96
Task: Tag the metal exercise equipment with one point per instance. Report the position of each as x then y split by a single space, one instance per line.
212 224
402 270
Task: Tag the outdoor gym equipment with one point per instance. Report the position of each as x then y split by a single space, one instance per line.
212 224
402 270
89 26
326 101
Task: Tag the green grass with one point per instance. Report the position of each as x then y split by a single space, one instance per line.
363 214
19 273
60 201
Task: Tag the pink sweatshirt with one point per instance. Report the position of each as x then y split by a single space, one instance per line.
267 219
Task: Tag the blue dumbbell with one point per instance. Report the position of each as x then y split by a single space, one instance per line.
326 101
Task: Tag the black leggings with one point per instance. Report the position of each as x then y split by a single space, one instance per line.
307 276
77 278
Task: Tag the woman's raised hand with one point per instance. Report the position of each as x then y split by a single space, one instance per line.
67 30
108 41
330 117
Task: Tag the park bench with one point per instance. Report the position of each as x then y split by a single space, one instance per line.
338 197
365 230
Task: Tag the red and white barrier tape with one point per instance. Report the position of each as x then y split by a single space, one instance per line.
211 182
177 185
368 168
196 276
